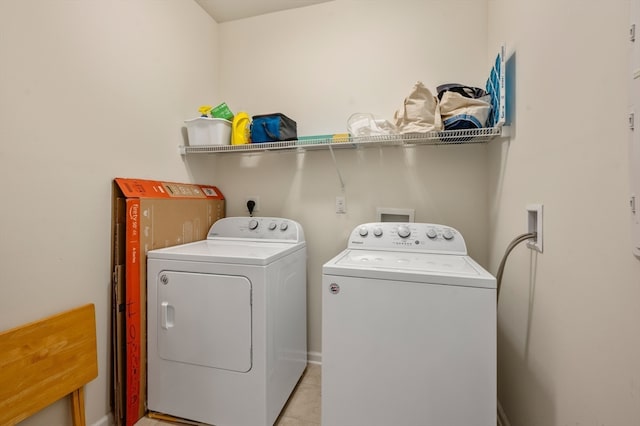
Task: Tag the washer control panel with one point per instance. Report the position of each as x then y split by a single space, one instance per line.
424 237
257 228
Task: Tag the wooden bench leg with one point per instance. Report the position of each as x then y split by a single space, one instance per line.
77 407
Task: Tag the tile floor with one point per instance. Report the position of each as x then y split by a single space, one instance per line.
302 409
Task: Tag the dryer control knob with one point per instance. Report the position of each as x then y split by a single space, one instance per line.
447 234
284 226
253 224
363 231
377 232
272 226
404 231
431 233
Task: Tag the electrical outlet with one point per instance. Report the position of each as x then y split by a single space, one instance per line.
255 199
341 205
534 224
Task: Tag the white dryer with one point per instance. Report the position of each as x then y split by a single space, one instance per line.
227 332
408 330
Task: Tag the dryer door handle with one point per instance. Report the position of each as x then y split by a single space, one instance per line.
167 315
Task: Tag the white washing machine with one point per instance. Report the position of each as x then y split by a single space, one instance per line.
227 331
408 330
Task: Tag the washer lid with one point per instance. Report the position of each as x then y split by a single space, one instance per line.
428 268
227 251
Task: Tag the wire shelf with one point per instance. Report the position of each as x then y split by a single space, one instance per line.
446 137
496 86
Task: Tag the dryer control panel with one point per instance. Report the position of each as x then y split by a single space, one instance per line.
423 237
257 228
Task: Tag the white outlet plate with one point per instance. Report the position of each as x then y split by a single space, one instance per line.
534 224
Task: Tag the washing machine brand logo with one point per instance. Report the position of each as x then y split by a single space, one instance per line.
334 288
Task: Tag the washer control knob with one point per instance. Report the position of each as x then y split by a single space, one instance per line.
253 224
377 231
272 226
363 231
404 231
447 234
284 226
431 233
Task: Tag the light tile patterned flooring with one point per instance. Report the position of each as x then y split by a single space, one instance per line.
302 409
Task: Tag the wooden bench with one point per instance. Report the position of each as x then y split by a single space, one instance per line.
45 361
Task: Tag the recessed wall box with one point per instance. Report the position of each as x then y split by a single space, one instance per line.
386 214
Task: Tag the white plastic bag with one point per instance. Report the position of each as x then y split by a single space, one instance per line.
365 124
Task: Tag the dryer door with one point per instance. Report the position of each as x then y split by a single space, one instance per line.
204 319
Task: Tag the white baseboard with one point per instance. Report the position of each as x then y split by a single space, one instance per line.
502 416
105 421
314 358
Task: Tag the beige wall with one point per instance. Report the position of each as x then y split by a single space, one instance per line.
92 90
89 90
323 63
568 342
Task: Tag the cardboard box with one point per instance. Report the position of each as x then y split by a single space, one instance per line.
146 215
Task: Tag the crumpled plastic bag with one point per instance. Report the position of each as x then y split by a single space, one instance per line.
366 124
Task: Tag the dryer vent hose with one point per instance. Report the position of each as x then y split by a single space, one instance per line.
512 245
